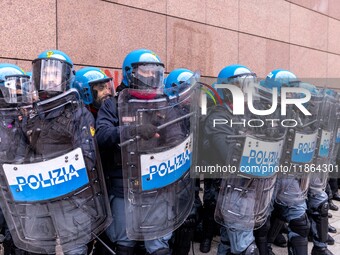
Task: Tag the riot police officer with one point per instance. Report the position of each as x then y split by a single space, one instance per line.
14 94
68 206
333 180
14 85
317 198
177 81
236 209
151 215
108 135
292 186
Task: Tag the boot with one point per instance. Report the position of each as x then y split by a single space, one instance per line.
208 229
280 241
332 206
330 240
321 251
336 196
205 245
331 229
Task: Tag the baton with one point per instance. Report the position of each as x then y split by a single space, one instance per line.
103 243
158 128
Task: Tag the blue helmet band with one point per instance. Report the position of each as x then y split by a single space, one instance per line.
17 76
234 77
146 63
55 54
242 74
93 83
55 59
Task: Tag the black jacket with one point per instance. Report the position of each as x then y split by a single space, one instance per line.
108 137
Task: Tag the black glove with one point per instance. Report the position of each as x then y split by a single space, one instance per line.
146 131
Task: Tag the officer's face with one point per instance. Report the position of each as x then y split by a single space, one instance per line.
51 77
146 73
103 91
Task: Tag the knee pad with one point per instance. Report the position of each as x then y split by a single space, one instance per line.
300 225
323 209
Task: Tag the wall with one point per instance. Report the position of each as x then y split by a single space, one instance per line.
301 35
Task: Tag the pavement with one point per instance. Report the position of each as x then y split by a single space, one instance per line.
334 221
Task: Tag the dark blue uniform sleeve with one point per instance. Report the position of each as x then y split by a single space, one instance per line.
217 134
107 124
174 132
108 138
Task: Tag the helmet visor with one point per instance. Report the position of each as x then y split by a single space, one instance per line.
148 76
51 75
246 82
17 89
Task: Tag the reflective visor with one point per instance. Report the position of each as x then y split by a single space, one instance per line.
17 89
51 75
148 76
245 80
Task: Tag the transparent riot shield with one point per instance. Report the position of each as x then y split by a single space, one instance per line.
53 190
325 143
299 149
336 129
255 148
333 171
158 189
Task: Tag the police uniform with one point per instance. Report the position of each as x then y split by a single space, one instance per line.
108 136
52 134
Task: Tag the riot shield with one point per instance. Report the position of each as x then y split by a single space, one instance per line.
245 197
53 190
325 143
158 189
336 129
299 150
334 172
